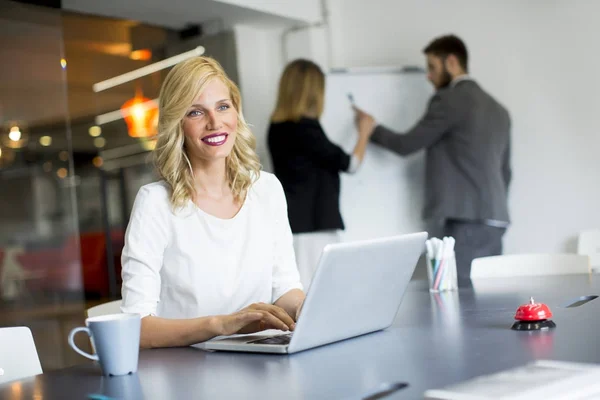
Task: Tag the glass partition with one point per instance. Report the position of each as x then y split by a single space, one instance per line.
41 279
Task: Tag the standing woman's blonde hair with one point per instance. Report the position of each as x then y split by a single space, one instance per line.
181 87
301 92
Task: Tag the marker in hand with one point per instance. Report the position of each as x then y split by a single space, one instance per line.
351 98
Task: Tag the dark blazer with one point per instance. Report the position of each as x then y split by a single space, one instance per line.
466 134
308 166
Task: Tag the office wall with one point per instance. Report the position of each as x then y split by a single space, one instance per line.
308 43
306 10
536 57
259 66
261 54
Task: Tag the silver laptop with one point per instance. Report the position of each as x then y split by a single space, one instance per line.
357 289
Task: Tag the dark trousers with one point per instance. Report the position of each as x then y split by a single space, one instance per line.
473 240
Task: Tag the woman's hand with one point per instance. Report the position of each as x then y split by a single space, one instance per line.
299 310
365 123
255 318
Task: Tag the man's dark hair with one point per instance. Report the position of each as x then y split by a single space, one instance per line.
450 44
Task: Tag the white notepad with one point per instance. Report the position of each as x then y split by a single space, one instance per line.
548 380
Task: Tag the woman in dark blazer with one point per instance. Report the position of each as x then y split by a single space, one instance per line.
308 164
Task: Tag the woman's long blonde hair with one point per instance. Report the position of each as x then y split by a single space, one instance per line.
301 92
181 87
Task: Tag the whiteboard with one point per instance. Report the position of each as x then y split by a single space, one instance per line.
385 197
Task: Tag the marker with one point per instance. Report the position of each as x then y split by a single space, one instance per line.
351 98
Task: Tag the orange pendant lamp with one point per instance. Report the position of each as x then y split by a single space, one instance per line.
141 116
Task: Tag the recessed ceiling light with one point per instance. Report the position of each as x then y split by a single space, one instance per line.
14 134
95 131
61 173
99 142
46 141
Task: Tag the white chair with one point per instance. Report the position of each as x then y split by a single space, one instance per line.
589 244
12 274
18 355
515 265
112 307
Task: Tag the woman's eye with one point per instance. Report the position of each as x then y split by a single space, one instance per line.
194 113
224 107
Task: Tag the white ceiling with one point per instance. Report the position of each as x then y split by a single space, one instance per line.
176 14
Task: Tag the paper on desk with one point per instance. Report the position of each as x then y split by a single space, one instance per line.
548 380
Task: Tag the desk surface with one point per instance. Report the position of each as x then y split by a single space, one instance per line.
436 340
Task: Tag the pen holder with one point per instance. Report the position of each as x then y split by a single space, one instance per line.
441 274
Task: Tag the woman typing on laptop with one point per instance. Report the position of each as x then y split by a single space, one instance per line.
208 250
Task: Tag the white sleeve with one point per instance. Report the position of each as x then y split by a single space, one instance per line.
354 164
285 270
142 258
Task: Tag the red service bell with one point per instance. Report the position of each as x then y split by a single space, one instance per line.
533 316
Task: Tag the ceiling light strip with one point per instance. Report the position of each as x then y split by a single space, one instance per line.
118 114
147 70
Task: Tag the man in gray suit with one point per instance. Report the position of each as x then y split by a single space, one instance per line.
466 134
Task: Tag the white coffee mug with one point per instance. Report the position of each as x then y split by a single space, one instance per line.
116 339
122 387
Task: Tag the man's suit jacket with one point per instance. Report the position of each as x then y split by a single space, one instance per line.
466 134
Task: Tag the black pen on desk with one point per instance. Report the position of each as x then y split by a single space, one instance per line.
385 390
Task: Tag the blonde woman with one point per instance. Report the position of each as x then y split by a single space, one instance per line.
308 164
208 250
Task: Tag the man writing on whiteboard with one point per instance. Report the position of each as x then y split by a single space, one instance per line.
466 135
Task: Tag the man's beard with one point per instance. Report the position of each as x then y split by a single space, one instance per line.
446 79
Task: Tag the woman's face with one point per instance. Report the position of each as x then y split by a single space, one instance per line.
210 124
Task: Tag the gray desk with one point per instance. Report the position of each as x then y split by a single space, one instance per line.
436 340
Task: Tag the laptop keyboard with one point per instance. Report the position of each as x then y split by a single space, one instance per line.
279 339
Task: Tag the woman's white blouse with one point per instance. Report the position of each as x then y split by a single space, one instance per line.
188 263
